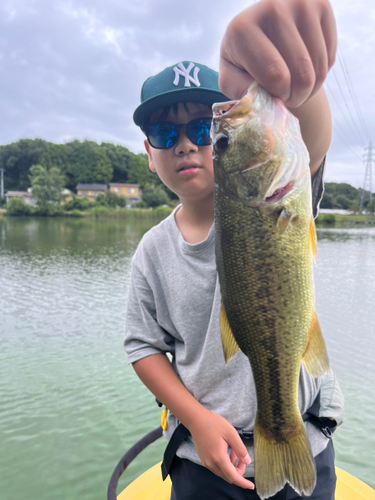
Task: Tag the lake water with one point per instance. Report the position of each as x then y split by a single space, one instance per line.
70 406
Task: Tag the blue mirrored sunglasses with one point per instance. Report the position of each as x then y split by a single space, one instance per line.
164 135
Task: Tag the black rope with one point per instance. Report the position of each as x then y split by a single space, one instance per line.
129 457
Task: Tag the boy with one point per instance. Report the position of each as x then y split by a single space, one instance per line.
174 298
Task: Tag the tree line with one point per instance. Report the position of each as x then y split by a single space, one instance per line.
344 196
79 162
87 162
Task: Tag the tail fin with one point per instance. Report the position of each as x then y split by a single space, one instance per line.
286 461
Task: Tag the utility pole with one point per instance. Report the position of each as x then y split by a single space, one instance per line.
367 184
2 183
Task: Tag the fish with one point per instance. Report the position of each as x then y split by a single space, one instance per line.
265 249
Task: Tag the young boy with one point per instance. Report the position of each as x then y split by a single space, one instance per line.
174 297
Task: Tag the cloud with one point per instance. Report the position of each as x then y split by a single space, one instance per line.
74 69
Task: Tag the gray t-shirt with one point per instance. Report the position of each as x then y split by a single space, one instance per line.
173 307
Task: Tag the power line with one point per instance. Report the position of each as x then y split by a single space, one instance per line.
339 131
351 122
352 92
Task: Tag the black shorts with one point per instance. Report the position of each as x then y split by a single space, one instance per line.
191 481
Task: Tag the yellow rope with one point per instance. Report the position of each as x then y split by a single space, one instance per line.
164 423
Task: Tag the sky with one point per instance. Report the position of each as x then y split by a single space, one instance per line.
74 69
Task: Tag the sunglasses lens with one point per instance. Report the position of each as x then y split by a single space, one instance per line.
162 135
199 131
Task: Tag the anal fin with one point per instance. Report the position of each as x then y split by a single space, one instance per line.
230 346
315 356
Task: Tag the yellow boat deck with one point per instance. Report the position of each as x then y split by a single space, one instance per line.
149 486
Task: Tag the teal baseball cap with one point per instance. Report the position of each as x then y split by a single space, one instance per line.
185 81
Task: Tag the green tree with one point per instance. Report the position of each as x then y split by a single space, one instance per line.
154 196
371 207
17 158
46 184
342 202
327 201
103 169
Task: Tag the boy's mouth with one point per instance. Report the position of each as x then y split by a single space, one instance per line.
188 166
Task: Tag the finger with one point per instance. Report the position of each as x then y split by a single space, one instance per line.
327 22
241 467
255 55
231 475
316 47
294 53
233 458
233 81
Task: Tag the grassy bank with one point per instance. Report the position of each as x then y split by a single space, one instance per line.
339 220
158 213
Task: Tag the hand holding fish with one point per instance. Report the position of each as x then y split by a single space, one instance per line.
212 435
288 46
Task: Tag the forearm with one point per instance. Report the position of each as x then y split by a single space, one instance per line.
159 377
316 127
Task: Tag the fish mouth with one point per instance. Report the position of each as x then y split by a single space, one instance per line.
233 113
280 193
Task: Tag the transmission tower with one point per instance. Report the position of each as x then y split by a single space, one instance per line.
367 184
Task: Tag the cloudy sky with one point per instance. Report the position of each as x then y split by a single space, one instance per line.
74 69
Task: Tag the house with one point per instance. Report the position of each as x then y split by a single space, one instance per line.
131 192
90 191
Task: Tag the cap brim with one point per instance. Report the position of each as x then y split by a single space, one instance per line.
203 96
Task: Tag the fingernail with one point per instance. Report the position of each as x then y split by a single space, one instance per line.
247 459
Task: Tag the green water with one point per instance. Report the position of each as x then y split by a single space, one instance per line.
70 406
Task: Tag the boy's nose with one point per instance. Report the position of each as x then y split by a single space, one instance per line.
184 145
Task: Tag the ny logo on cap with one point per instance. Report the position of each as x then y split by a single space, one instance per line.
180 70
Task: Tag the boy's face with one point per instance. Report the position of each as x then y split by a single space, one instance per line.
185 168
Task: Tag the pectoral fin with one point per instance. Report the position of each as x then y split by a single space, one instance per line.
230 346
284 220
315 356
312 238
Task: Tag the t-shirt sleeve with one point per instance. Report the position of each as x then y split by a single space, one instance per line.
317 187
143 335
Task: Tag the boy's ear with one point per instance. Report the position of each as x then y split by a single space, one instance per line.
150 160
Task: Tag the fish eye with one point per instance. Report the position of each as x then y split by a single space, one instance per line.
222 141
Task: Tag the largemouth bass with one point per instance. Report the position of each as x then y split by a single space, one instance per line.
265 244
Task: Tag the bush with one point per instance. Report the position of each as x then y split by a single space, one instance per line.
111 200
162 212
139 204
76 213
3 201
154 196
48 211
78 204
326 219
16 206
